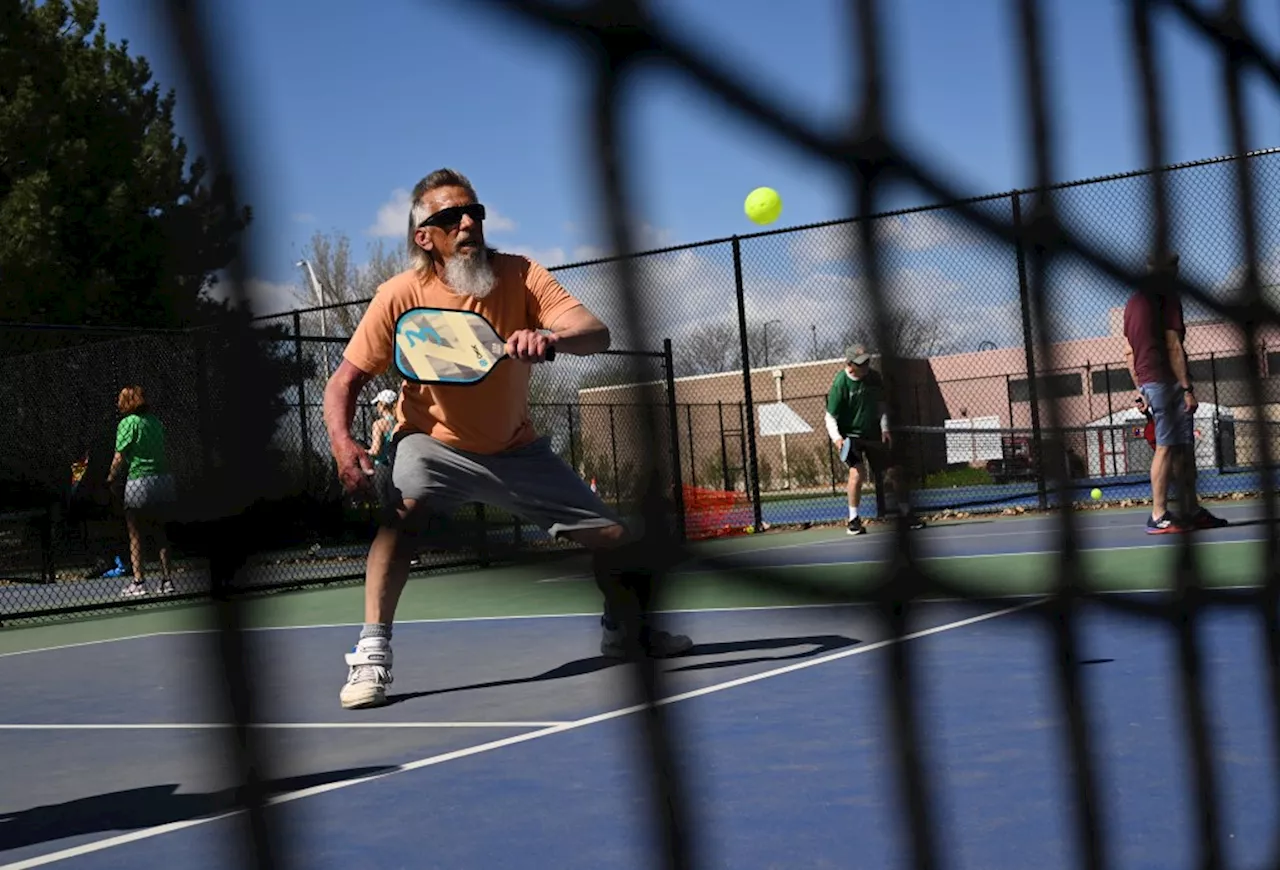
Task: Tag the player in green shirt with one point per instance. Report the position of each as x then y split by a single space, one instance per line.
149 489
857 412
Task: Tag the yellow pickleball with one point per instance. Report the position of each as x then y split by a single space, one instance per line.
763 205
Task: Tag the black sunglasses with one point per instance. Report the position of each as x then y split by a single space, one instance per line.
452 216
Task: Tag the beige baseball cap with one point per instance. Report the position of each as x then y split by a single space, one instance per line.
857 354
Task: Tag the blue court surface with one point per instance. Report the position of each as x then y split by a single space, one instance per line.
511 743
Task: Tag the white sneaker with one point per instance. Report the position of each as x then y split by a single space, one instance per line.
370 663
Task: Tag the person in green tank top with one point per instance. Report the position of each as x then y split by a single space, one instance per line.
857 413
149 488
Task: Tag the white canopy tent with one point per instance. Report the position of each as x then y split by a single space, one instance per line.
1115 444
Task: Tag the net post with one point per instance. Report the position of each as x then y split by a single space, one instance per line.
1008 394
613 453
483 556
673 420
831 468
204 425
1217 418
749 418
573 444
303 431
724 447
688 434
1033 398
1111 423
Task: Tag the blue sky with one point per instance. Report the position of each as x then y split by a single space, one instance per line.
346 104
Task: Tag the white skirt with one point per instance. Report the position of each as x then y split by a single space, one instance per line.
150 493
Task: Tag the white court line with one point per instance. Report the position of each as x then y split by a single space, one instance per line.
431 761
209 726
688 610
873 540
948 557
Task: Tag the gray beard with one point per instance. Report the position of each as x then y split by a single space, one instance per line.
471 276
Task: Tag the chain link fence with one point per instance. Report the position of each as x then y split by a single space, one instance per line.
754 329
64 544
995 322
972 390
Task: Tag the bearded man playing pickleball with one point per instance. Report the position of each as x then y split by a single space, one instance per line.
857 418
457 444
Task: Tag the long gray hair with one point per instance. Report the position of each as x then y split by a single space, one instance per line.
418 212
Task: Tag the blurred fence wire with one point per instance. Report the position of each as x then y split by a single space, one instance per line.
996 320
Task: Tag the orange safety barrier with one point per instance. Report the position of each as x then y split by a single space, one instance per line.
713 513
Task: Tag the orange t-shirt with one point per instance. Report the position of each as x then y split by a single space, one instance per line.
487 417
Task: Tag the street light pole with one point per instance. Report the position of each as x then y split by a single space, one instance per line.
318 289
766 339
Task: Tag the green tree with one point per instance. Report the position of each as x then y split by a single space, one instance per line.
107 221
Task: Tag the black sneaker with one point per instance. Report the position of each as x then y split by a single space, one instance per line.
654 643
856 527
1202 519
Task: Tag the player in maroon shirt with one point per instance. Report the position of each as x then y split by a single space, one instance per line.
1157 360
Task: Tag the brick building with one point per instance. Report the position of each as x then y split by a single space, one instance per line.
988 388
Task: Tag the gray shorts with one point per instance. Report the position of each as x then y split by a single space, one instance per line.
153 493
1168 404
531 482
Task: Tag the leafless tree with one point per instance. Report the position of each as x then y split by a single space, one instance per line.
345 283
716 347
915 334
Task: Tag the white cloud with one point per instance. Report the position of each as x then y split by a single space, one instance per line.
393 216
583 253
1232 285
543 256
681 291
923 231
648 237
497 222
264 297
271 297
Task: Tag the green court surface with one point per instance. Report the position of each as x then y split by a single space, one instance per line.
988 557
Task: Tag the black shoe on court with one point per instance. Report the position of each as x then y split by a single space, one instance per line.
654 644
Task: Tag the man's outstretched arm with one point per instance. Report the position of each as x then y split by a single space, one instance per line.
580 332
340 395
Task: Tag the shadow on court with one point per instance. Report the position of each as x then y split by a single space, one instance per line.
818 645
140 808
1259 521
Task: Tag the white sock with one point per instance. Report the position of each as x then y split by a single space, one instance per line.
853 512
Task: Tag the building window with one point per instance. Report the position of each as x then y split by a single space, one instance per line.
1115 380
1049 387
1224 368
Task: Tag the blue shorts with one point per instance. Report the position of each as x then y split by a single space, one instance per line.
1174 425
